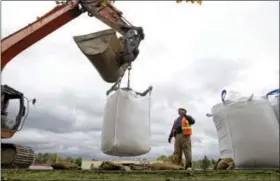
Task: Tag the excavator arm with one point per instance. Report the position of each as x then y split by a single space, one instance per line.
63 13
17 42
17 156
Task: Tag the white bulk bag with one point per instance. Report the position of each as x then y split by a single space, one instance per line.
248 132
273 97
126 124
275 106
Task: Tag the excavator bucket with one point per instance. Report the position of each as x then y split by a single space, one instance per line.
103 49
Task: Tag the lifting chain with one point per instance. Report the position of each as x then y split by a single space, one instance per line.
128 75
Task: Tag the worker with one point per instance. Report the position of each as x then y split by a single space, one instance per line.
182 132
224 164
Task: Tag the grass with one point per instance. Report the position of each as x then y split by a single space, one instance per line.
166 175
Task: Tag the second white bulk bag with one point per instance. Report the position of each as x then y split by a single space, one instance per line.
273 97
248 132
126 124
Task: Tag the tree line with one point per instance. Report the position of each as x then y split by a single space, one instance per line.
52 158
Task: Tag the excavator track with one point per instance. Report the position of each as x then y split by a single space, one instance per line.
16 156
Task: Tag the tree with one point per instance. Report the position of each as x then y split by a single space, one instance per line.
39 158
162 157
165 158
205 163
69 159
47 158
78 161
213 162
52 158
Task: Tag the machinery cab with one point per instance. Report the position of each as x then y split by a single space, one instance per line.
10 124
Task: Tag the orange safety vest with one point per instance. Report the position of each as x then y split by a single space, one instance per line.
186 127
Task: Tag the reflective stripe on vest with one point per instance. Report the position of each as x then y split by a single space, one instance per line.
186 127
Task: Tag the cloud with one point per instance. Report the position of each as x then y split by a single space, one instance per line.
190 53
220 72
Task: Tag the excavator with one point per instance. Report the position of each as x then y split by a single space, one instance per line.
109 54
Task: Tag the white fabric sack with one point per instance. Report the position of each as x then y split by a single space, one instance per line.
248 132
275 105
274 101
126 124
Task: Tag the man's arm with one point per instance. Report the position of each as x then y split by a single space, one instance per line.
172 132
190 119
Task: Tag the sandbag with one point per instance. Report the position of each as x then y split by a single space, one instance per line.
65 166
165 166
273 97
248 132
108 165
224 164
138 167
126 124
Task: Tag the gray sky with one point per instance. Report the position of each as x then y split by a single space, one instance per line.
189 55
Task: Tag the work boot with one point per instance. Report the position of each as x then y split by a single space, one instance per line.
188 166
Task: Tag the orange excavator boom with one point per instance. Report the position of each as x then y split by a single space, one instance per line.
17 42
